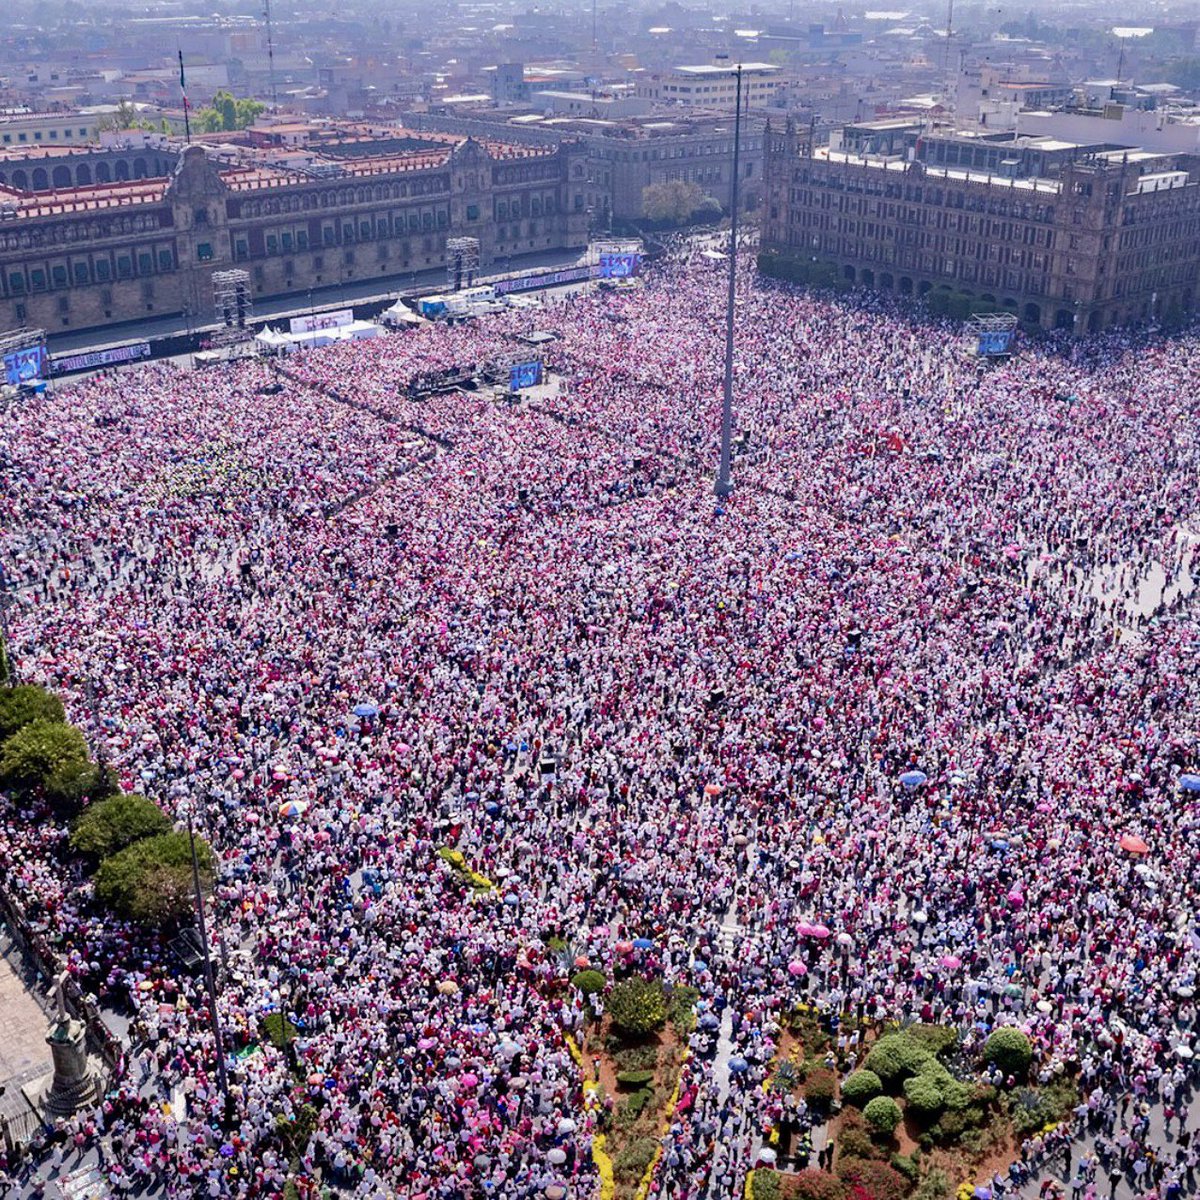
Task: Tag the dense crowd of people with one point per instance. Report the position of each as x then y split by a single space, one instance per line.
642 714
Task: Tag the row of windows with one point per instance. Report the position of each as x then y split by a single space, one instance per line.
18 279
11 139
341 197
82 231
869 183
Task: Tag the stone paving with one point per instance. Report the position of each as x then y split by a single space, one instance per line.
24 1055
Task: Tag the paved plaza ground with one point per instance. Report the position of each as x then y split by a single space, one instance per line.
24 1055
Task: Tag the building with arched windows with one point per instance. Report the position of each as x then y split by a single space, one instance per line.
114 239
1065 236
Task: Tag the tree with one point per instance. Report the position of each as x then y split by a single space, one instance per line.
36 753
672 202
21 705
227 114
637 1006
247 112
124 117
151 880
111 825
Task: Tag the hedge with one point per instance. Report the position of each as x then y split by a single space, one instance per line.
634 1078
894 1058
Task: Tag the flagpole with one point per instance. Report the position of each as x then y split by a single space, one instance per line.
187 124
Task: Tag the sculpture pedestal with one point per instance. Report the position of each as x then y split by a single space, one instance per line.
76 1082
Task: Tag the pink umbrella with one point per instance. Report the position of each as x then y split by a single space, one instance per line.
820 932
951 962
624 947
804 929
469 1080
797 969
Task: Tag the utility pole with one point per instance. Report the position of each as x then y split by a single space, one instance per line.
209 979
9 663
724 484
270 53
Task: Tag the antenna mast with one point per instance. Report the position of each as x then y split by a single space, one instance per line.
270 52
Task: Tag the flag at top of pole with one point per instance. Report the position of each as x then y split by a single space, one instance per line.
187 124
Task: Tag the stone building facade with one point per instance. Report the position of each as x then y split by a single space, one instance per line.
84 257
1111 237
626 156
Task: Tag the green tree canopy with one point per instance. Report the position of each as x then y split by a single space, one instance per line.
672 202
35 753
21 705
151 880
637 1006
112 824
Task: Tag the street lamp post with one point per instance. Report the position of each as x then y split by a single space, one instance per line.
724 484
210 981
9 662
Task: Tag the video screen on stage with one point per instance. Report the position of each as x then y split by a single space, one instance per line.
995 342
25 365
619 266
524 375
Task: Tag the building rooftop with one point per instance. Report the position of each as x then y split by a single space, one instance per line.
722 69
247 169
1046 186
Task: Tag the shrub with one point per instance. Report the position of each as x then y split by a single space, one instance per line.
681 1011
634 1079
924 1098
861 1087
278 1030
935 1186
35 753
937 1039
877 1179
1010 1050
764 1184
637 1006
151 881
588 981
636 1058
855 1143
907 1165
115 823
882 1114
820 1086
894 1058
1033 1108
632 1107
811 1184
24 704
630 1165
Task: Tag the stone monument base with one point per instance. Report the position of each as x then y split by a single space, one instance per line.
77 1079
